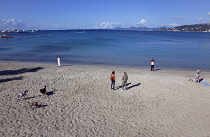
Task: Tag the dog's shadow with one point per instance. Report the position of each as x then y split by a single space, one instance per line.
29 98
51 92
41 106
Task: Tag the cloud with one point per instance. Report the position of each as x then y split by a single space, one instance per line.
108 25
209 13
111 25
173 24
200 19
142 21
12 24
96 25
169 25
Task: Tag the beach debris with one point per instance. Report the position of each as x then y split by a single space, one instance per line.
20 95
190 80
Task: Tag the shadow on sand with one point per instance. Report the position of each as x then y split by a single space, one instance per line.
29 98
11 79
134 86
121 86
50 93
157 69
127 86
41 106
19 71
66 65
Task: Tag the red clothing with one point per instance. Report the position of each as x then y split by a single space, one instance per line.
112 77
152 60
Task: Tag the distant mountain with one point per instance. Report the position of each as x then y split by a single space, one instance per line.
139 28
189 28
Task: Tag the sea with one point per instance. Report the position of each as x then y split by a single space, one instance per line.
118 48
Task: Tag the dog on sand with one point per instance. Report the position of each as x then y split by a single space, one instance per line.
33 104
43 90
20 95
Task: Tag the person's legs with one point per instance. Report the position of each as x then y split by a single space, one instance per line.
196 78
123 85
126 85
113 84
152 67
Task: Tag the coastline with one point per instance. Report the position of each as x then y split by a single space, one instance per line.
157 67
81 103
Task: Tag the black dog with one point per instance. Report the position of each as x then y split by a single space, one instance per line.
43 91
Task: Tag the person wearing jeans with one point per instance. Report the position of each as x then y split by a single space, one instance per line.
112 78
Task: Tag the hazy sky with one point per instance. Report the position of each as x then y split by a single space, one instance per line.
90 14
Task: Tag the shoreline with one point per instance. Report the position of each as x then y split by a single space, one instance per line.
103 65
79 102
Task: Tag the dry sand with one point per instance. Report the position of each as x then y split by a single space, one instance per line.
81 103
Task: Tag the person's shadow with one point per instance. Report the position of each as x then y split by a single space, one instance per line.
157 69
19 71
11 79
133 86
121 86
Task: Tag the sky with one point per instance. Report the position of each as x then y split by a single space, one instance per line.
101 14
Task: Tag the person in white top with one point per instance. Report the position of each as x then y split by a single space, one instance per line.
197 75
152 62
59 61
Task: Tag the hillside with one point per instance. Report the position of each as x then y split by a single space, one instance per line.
189 28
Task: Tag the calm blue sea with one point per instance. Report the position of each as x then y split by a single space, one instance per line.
172 50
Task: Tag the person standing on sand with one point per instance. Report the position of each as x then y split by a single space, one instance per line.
197 76
152 62
124 81
112 78
59 61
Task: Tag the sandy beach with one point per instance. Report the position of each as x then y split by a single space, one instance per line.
80 102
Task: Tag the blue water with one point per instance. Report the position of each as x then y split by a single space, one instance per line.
173 50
